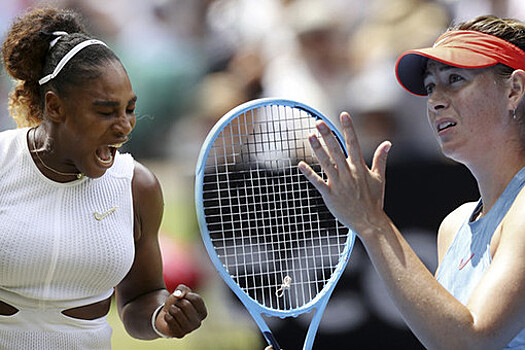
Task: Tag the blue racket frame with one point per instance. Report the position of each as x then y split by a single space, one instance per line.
255 309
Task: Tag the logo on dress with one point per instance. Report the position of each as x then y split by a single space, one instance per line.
462 263
101 216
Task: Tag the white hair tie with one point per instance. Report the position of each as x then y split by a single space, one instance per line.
67 57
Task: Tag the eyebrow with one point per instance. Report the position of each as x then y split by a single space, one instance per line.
105 103
441 69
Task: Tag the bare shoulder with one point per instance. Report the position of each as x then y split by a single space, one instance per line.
144 179
450 226
513 224
148 201
145 184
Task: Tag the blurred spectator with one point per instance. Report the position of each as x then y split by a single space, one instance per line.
466 9
312 68
389 28
165 62
373 100
216 95
383 111
101 22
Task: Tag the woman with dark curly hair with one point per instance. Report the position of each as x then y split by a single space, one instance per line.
474 80
79 219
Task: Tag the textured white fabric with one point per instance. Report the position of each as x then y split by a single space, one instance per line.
54 253
52 330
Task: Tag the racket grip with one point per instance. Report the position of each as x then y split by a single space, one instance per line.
270 339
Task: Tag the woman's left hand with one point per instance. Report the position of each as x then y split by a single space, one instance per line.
353 192
182 313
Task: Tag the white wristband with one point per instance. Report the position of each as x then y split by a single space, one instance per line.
153 319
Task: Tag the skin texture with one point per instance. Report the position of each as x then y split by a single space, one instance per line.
484 137
75 135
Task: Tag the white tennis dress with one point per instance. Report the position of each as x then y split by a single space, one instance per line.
62 245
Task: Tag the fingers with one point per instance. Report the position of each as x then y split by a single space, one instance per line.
333 146
380 157
182 318
333 153
351 188
332 158
185 311
313 177
324 159
198 304
181 291
352 143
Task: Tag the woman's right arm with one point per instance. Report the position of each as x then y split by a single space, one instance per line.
354 194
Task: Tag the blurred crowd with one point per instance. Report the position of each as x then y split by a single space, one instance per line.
193 60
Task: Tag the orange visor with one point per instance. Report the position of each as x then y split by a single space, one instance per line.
458 48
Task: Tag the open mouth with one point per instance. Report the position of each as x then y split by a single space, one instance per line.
106 154
445 125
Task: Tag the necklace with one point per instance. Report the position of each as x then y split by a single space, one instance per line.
77 175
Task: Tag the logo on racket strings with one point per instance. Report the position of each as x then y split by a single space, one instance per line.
287 283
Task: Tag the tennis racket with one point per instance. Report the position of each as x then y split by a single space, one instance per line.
265 227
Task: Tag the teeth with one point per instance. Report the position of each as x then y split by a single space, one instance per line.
111 150
445 125
116 145
106 161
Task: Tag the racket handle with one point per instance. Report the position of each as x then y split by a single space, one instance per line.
270 339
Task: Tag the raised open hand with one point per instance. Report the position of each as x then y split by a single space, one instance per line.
353 192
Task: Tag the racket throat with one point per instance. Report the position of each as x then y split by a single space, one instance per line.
270 339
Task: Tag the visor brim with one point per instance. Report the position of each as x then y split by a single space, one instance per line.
411 65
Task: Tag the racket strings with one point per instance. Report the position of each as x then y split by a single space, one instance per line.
266 221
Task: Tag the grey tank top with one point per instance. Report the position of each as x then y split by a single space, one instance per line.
468 257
